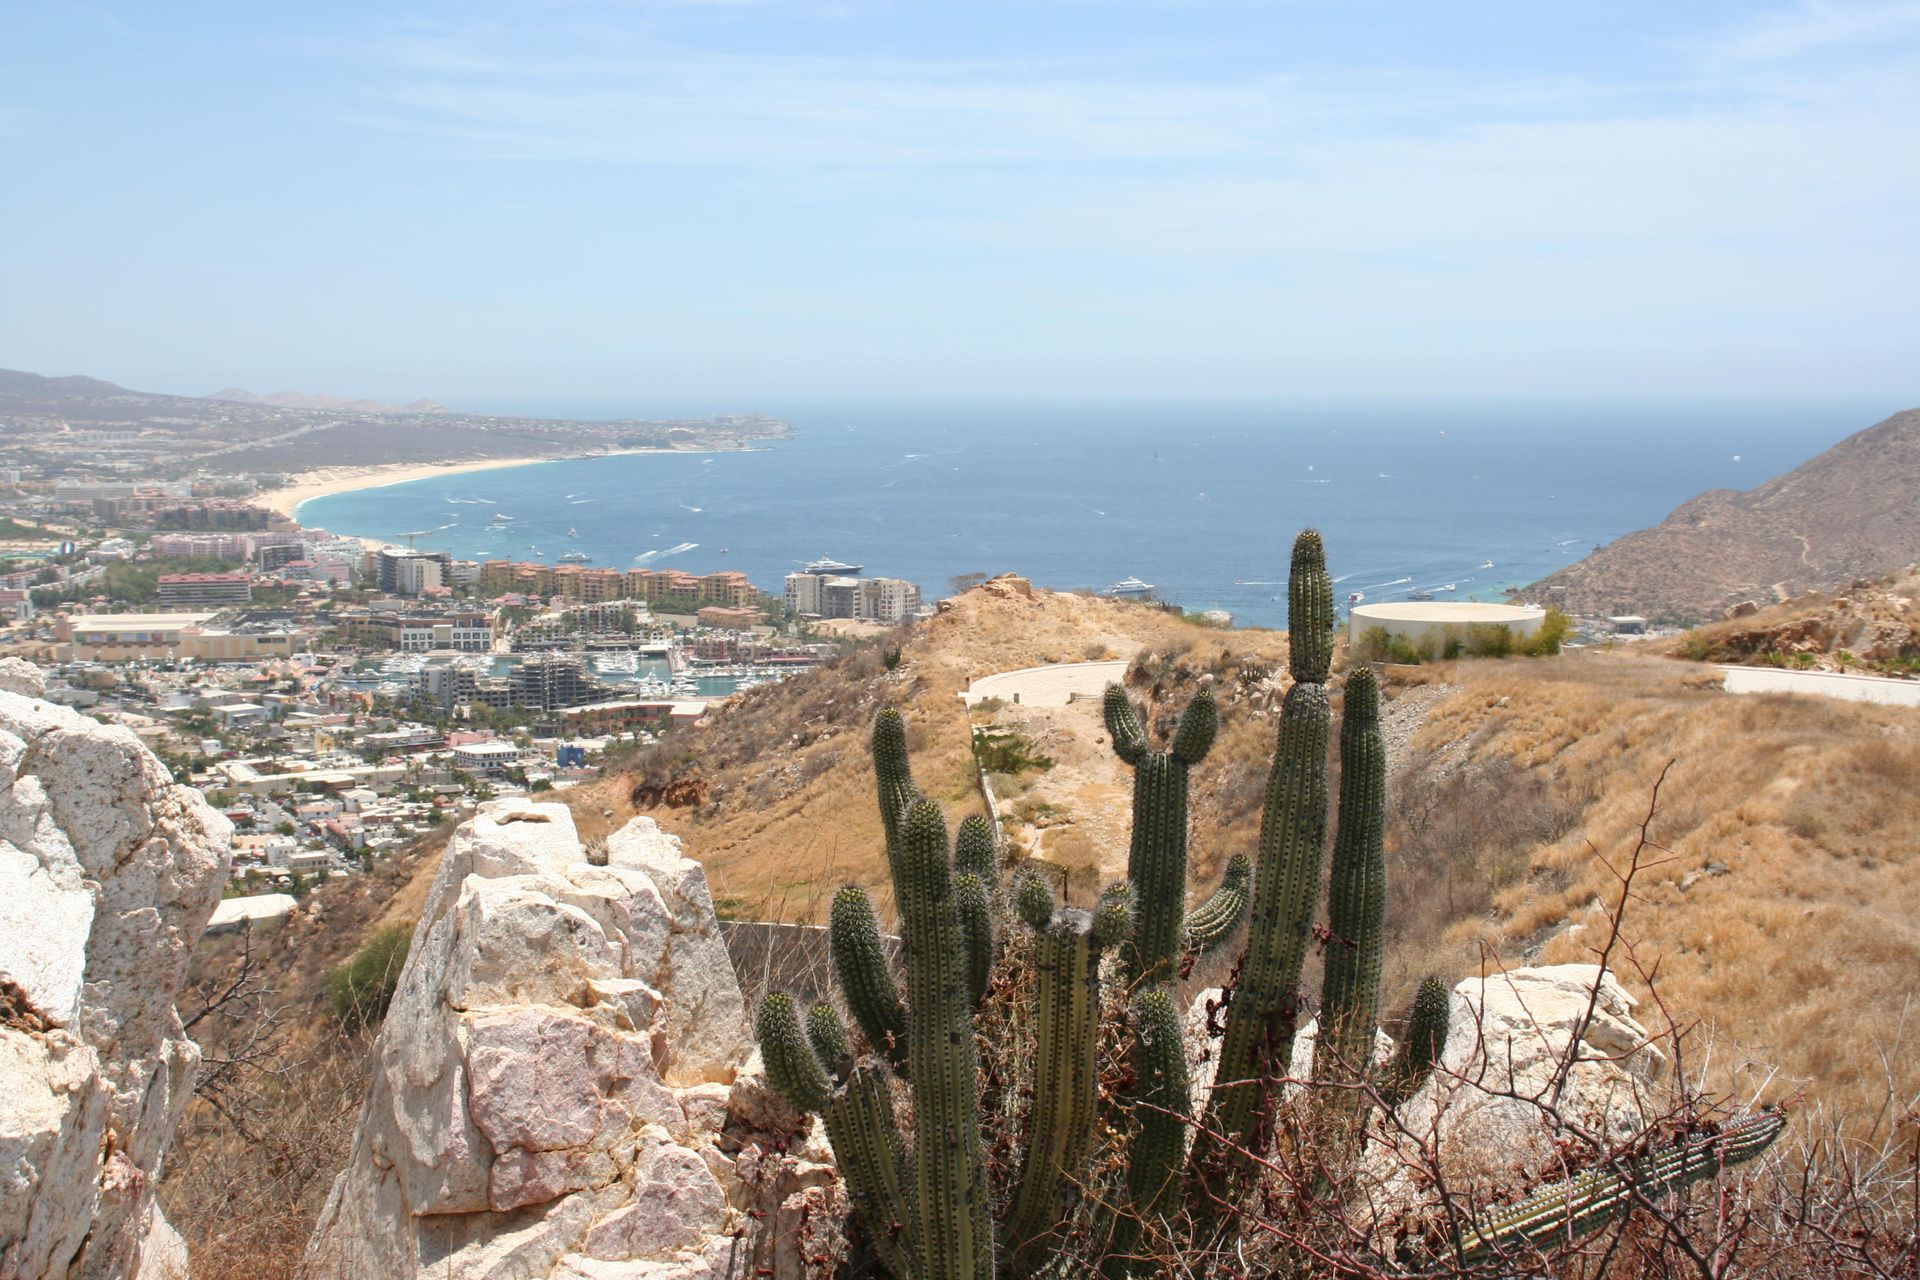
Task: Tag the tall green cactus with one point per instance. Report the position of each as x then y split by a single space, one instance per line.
929 1217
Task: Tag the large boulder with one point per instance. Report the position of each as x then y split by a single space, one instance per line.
108 873
550 1094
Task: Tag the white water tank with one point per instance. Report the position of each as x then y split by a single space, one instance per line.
1429 625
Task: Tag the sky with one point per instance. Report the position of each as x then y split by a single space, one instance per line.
482 200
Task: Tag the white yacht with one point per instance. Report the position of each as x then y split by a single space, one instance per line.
1130 587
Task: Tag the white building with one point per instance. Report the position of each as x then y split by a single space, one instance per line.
824 595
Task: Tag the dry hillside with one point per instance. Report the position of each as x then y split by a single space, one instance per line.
1846 514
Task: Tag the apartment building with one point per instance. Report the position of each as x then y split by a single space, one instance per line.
204 590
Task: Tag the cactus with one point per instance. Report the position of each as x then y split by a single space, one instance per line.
1590 1200
929 1217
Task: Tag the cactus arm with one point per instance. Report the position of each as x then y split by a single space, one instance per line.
1584 1203
866 1144
828 1036
1217 919
1309 611
1157 857
893 774
1356 897
1425 1041
866 976
1032 898
950 1174
975 912
792 1068
1065 1084
1123 726
1199 725
976 851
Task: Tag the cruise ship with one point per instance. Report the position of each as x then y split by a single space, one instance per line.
824 565
1130 587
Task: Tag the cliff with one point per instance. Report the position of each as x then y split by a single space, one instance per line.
108 872
1849 513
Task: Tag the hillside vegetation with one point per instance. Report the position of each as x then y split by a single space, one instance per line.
1846 514
1871 627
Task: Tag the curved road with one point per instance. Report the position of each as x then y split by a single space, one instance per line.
1900 693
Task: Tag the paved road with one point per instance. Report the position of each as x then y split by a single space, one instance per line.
1903 693
1052 686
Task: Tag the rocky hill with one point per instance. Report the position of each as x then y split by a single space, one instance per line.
1849 513
1872 627
312 400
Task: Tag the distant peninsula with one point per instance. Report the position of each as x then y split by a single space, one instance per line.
84 427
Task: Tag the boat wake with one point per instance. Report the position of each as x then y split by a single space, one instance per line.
662 553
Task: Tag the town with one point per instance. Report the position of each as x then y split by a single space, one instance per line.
336 699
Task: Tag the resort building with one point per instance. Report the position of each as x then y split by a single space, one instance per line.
128 637
823 595
402 572
204 590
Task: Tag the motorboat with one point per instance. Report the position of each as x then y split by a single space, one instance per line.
1130 587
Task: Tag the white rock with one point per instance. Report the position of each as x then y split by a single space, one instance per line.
108 872
553 1073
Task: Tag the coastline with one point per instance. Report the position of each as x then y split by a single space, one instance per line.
325 482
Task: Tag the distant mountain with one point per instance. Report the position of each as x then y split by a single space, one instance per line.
33 386
1851 513
303 400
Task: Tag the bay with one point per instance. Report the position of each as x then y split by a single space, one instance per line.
1201 500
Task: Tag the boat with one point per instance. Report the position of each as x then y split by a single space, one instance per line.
503 517
1451 586
1355 597
824 565
576 557
1130 587
1486 564
617 664
573 533
1420 595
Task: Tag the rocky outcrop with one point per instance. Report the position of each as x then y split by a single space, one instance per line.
555 1077
108 872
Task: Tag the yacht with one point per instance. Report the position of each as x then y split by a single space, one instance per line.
1420 595
1130 587
1355 597
501 517
576 557
573 533
1451 586
824 565
1486 564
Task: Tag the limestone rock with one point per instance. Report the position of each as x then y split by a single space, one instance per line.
108 873
552 1078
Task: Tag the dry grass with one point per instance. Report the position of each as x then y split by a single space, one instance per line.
1784 915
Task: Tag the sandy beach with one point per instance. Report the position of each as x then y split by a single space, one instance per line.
330 480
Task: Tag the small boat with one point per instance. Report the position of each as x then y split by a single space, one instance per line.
503 517
824 565
1130 587
1355 597
1451 586
1486 564
1420 595
576 557
573 533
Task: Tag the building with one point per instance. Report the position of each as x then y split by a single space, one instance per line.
719 615
204 590
627 714
199 546
126 637
458 632
486 759
401 571
548 682
823 595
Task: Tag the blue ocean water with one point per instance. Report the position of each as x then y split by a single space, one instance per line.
1201 500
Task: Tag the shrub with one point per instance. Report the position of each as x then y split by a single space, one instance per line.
1005 751
359 991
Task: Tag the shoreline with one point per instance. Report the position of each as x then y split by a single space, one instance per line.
326 482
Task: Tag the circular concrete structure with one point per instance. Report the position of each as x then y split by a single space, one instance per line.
1432 625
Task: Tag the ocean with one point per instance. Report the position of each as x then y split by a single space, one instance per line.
1200 500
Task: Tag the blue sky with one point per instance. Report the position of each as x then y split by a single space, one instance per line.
515 199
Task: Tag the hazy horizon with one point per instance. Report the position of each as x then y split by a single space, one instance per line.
737 204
